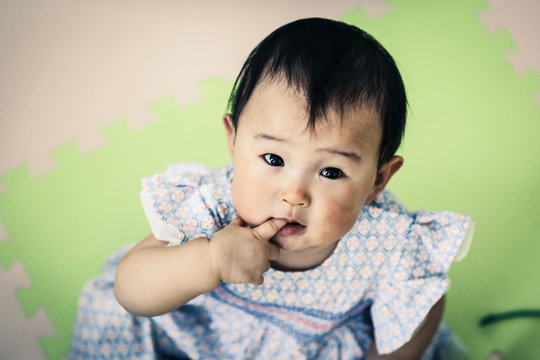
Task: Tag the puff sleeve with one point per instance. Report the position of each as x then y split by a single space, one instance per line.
187 201
419 277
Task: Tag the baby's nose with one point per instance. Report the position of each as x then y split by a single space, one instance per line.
296 195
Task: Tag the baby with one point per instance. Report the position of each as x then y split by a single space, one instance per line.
295 250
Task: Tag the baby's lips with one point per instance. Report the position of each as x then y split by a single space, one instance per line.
292 221
293 228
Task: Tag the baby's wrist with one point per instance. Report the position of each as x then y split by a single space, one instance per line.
213 260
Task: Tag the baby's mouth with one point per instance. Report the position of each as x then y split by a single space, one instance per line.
292 228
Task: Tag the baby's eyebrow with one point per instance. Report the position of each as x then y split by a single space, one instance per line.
350 155
264 136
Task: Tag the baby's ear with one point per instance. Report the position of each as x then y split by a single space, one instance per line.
387 170
230 132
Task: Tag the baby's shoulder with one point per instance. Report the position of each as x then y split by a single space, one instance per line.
387 230
187 200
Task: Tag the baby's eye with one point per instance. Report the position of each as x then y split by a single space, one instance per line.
332 173
273 160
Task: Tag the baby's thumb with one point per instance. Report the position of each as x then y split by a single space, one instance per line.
269 228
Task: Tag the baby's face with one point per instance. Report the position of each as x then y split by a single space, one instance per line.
317 180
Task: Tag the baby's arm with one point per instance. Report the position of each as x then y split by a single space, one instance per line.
153 278
419 342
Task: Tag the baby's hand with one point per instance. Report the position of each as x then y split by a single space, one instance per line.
242 255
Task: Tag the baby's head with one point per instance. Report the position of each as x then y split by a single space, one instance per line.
334 66
316 116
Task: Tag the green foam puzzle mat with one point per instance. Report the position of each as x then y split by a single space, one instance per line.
471 146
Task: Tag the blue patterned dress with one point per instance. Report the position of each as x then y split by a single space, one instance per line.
376 288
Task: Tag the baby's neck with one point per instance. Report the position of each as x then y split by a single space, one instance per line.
303 260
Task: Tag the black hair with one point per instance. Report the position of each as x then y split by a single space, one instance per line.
335 65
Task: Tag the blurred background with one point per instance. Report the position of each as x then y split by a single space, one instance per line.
95 95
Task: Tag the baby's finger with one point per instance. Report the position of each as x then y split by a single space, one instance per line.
269 228
273 252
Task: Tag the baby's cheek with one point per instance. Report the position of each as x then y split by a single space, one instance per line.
246 202
340 218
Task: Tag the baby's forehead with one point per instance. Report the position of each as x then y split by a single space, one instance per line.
335 112
359 123
282 110
332 108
